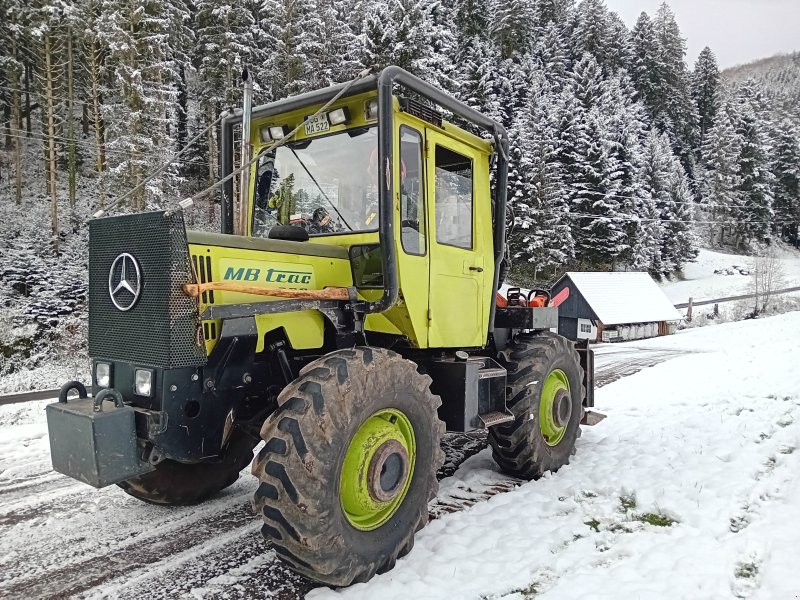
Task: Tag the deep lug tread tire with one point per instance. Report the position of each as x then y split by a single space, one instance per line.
300 466
179 484
518 447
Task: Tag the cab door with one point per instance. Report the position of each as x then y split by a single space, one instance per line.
461 262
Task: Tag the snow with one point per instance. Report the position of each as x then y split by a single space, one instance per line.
618 297
705 440
701 283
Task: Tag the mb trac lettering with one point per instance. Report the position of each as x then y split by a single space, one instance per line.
271 276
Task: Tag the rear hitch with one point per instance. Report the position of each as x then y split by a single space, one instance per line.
591 418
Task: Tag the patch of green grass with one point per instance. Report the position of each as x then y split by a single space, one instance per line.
746 570
593 524
762 436
627 502
588 494
619 528
655 519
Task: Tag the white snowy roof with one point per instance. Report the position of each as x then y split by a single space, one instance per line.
630 297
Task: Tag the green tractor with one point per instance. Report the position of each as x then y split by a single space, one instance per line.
347 315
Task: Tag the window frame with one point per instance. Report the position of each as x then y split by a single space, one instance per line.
266 147
471 159
422 190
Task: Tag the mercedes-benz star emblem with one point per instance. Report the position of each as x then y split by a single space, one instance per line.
124 282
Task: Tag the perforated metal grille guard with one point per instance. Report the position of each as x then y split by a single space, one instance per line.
162 327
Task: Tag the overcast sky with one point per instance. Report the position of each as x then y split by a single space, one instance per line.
738 31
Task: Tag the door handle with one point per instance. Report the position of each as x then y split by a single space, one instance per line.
476 269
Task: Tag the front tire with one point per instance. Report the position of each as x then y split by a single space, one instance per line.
545 393
179 484
349 465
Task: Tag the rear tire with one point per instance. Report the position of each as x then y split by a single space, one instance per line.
178 484
304 472
531 445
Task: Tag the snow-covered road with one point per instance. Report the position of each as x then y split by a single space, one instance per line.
688 490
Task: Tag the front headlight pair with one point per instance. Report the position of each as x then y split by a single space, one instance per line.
142 379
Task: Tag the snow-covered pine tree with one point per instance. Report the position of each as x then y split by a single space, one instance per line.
755 176
593 34
141 60
674 111
543 237
338 56
597 223
786 170
719 185
620 50
588 83
226 37
12 68
645 66
551 54
182 43
379 37
655 180
705 90
625 132
437 63
473 53
293 30
679 244
394 35
511 27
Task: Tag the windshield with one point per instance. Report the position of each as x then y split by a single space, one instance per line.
324 185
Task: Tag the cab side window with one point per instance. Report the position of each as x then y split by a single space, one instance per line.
412 197
453 198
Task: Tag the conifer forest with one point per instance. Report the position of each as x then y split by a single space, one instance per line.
623 155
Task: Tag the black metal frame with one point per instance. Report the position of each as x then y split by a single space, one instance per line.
385 82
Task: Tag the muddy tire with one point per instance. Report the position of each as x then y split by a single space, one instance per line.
545 393
178 484
306 471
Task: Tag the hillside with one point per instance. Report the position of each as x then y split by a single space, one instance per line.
778 75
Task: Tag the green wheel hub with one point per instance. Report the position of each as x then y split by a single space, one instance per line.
555 407
377 469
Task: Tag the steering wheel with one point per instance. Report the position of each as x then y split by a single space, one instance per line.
413 224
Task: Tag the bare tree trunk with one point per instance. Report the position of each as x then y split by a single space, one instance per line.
18 149
72 162
212 162
17 120
85 119
28 98
51 142
99 133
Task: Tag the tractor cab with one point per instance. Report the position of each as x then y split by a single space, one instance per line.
435 238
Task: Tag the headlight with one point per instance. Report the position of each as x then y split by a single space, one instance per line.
338 116
278 131
371 110
264 133
143 382
102 375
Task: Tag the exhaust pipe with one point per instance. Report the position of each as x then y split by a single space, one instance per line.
244 181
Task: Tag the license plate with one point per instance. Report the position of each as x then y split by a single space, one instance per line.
317 124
